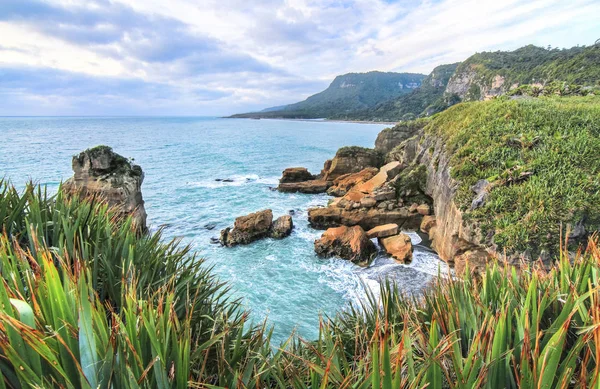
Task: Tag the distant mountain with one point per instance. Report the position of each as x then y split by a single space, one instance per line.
377 96
423 101
348 93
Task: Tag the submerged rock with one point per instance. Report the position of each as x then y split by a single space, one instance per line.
398 246
349 243
282 227
101 172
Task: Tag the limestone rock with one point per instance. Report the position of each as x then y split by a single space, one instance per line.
101 172
352 160
295 174
310 187
282 227
368 202
249 228
389 138
476 260
326 217
350 243
398 246
427 224
424 209
386 172
344 183
383 231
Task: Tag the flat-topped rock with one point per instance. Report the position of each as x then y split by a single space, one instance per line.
102 173
349 243
386 173
333 216
383 231
309 187
398 246
295 174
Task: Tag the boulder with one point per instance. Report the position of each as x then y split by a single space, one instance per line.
424 209
344 183
386 173
398 246
282 227
249 228
368 202
309 187
350 243
102 173
427 224
383 231
351 160
295 174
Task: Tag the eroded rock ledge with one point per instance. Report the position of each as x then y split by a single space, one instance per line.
101 172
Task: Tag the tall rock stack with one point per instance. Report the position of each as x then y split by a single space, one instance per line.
101 172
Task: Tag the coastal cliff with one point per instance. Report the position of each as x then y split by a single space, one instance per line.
504 178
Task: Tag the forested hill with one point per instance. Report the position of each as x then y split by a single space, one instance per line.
379 96
347 93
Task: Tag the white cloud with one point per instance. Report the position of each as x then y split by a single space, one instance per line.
270 52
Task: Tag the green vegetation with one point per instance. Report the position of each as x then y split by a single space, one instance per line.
346 94
163 321
425 101
541 156
531 64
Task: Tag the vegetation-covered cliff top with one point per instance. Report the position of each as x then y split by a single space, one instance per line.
578 65
541 156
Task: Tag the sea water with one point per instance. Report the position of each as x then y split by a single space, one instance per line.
183 158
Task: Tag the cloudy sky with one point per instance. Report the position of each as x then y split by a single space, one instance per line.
215 57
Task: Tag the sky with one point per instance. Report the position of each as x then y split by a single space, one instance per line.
219 57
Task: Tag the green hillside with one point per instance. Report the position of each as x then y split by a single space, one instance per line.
427 99
347 93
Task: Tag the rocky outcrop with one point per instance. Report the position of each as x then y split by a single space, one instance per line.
383 231
102 173
349 243
398 246
392 137
308 187
368 204
344 183
255 226
249 228
296 174
282 227
352 160
326 217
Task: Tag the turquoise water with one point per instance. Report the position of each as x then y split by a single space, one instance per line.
182 157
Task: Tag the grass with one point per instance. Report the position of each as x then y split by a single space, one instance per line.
161 320
540 156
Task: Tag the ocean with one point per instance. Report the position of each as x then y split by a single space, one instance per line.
183 158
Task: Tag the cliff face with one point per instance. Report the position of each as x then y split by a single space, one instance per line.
454 239
507 177
103 173
489 74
